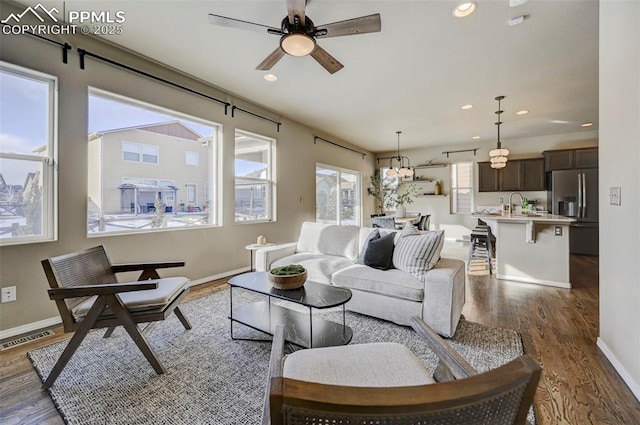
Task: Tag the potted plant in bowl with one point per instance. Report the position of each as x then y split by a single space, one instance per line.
288 277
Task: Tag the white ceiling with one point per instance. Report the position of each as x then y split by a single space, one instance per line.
412 76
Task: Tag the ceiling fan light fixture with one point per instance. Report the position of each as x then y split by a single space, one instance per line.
297 44
464 9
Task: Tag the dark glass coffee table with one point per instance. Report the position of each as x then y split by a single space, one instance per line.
301 329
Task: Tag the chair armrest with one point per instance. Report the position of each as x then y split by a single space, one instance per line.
451 364
268 255
102 289
275 371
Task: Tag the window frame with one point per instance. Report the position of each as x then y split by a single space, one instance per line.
358 214
49 163
269 181
454 188
214 171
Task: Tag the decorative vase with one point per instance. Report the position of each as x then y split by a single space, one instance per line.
262 240
438 189
288 282
401 211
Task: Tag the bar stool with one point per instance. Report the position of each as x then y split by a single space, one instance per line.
481 246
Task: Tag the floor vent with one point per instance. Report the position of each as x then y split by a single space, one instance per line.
25 339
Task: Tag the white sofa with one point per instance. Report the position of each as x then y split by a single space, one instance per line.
328 252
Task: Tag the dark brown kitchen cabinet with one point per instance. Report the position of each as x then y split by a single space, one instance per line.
570 159
487 177
532 174
587 158
519 174
509 176
559 160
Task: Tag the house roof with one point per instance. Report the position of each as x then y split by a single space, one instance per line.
169 128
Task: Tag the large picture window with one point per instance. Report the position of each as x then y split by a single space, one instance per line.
254 171
28 102
143 175
462 188
337 195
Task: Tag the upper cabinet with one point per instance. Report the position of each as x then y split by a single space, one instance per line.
569 159
519 174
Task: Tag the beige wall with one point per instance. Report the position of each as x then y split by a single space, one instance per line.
619 166
439 206
209 251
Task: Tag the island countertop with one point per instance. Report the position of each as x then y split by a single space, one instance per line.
532 248
549 218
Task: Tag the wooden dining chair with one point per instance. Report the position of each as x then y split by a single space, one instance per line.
88 296
386 384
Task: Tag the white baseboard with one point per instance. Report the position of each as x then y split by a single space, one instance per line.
53 321
566 285
218 276
633 385
30 327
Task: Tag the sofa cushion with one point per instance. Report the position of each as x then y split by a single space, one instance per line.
319 267
417 254
393 283
379 253
329 239
373 235
382 364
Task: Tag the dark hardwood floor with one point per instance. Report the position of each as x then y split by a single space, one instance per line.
559 328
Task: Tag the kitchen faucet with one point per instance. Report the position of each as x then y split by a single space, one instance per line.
510 196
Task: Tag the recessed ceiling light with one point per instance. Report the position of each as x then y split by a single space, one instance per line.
560 122
475 137
464 9
515 3
270 77
522 112
587 124
468 106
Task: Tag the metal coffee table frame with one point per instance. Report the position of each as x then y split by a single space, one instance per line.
301 329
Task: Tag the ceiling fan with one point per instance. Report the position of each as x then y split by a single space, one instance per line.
298 34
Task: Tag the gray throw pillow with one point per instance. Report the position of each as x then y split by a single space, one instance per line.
379 254
417 254
375 234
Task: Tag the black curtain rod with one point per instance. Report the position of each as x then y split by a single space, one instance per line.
316 138
83 53
234 108
65 46
462 150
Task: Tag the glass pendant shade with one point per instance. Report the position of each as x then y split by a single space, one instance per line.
391 172
498 164
297 44
498 152
498 159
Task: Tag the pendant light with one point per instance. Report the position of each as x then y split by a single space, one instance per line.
401 171
499 155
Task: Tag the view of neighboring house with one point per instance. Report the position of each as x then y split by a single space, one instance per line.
129 168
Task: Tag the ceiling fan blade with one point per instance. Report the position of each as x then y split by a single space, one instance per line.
329 63
224 21
296 8
271 60
361 25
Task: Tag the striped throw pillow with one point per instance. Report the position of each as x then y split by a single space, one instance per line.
417 254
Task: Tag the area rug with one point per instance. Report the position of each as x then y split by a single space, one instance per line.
212 379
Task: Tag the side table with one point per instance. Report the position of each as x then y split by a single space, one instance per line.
254 247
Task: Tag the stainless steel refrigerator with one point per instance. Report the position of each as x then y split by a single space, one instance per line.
574 193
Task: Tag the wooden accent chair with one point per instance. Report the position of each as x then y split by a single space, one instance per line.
386 384
86 292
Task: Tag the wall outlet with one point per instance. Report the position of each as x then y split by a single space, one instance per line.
8 294
558 231
614 195
500 200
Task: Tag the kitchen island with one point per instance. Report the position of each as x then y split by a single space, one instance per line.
531 248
